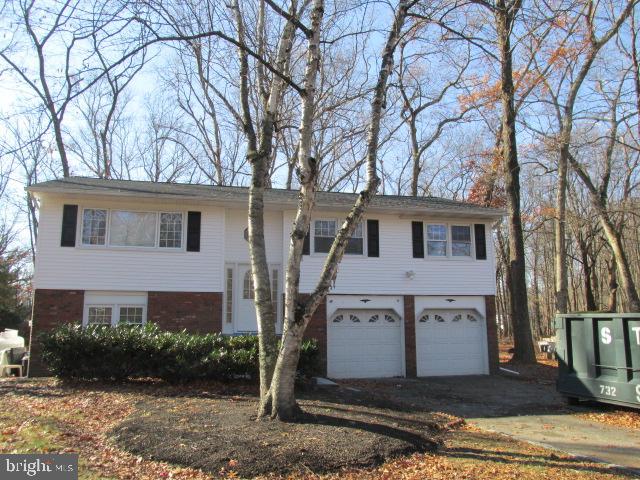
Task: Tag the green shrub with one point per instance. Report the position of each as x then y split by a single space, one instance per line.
106 353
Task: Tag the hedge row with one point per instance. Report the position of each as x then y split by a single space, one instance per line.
123 352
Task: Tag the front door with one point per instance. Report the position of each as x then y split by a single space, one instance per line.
245 315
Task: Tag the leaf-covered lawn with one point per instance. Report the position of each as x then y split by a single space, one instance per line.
45 416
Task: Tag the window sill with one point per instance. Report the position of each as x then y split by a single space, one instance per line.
113 248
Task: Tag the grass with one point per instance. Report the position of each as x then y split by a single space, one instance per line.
46 416
38 435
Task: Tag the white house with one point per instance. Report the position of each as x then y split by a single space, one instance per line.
414 295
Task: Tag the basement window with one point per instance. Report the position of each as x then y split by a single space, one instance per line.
115 308
99 315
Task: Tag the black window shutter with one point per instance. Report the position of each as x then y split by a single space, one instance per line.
417 235
193 231
69 222
373 238
481 241
306 246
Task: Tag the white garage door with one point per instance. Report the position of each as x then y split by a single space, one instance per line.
450 342
364 344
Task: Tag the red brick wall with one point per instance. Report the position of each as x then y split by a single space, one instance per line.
52 308
492 334
317 329
410 335
197 312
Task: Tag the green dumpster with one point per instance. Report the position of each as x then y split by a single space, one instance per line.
599 357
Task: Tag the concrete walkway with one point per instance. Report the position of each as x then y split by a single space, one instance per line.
526 410
571 434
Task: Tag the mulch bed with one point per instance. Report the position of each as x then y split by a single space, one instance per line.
221 435
48 416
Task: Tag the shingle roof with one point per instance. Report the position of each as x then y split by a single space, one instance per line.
279 197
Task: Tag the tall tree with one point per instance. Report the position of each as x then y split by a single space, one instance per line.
505 14
65 38
565 113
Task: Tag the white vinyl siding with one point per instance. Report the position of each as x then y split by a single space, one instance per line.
130 268
395 271
237 247
222 241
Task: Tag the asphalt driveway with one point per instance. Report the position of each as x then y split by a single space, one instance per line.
527 411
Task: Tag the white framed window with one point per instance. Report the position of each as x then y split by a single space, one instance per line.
247 286
132 229
131 315
229 299
460 240
355 245
114 308
436 240
135 229
170 230
325 231
99 315
94 226
274 289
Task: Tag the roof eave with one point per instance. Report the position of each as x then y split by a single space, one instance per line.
411 211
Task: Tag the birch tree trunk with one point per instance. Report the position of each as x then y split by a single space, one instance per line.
259 155
298 311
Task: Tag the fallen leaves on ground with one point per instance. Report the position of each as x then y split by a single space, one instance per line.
471 454
82 416
45 415
615 417
545 371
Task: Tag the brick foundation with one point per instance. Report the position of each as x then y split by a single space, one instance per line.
52 308
492 334
173 311
410 336
197 312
